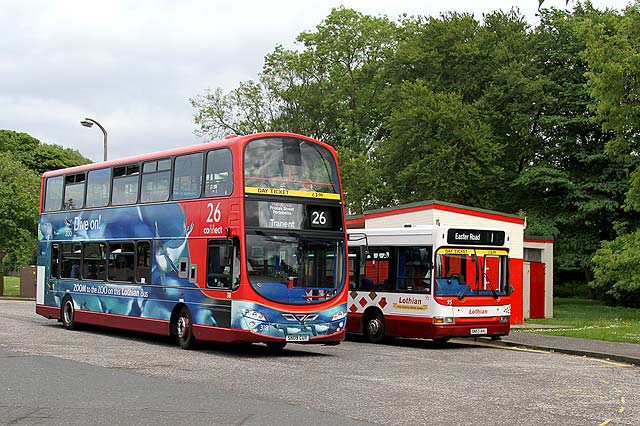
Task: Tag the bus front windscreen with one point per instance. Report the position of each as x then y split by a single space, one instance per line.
295 269
290 164
463 272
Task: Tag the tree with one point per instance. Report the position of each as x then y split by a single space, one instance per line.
569 186
438 148
36 155
19 195
330 89
23 159
616 270
613 80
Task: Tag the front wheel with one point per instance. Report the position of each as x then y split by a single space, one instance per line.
374 327
68 313
184 329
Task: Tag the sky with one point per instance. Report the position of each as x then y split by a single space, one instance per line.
133 65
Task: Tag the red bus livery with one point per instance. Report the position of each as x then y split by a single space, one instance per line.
431 282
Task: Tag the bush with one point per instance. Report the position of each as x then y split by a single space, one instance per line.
572 289
617 270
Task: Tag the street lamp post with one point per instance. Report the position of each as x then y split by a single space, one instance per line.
88 122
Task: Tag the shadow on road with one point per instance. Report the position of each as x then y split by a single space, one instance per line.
239 350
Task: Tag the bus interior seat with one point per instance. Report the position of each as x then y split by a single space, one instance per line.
367 283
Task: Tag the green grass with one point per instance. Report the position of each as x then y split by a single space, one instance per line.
11 286
591 319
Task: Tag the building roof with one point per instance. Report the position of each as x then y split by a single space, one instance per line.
437 205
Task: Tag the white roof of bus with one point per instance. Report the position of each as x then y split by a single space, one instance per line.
408 235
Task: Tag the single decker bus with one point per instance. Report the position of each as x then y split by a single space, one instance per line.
238 240
434 282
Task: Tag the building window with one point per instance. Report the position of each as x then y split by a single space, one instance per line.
532 255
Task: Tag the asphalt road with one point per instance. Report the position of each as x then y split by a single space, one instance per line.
51 376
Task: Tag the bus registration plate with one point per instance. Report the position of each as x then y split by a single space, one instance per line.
298 338
478 331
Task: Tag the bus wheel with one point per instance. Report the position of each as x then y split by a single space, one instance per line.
374 327
67 313
276 346
184 329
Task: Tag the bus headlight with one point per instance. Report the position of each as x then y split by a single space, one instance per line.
443 320
339 315
254 315
505 318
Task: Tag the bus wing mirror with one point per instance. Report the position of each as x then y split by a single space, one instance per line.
228 250
510 290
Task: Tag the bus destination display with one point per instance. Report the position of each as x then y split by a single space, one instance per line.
268 214
475 236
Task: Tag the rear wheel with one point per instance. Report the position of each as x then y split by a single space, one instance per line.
184 329
374 327
68 313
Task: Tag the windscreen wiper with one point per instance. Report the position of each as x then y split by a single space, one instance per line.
463 293
493 292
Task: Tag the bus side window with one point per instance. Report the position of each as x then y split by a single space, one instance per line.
221 270
53 193
219 174
54 269
93 261
414 269
156 177
143 262
126 180
98 188
377 270
121 262
70 260
354 267
187 176
74 191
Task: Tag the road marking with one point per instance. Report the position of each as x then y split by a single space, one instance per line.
605 423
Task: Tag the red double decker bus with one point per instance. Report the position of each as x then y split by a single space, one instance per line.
238 240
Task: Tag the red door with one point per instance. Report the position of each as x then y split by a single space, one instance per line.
536 292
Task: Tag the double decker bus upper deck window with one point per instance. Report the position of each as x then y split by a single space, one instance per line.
187 176
53 193
156 176
125 184
74 191
290 164
98 188
219 174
